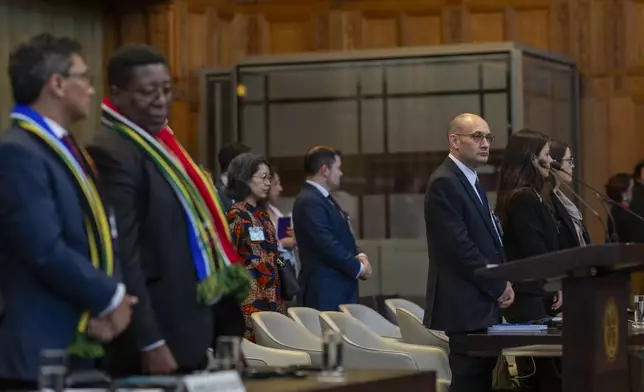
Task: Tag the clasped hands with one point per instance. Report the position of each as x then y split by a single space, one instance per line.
104 329
366 266
506 299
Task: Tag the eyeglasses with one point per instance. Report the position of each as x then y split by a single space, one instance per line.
570 160
478 136
86 76
264 177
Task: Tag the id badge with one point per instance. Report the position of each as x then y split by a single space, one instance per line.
256 233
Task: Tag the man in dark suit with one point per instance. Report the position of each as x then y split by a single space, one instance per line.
171 331
463 236
226 155
331 262
46 272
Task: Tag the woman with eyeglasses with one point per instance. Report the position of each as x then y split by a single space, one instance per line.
530 229
572 231
253 235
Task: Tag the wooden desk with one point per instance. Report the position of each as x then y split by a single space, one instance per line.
493 344
357 381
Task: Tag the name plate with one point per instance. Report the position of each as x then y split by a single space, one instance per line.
224 381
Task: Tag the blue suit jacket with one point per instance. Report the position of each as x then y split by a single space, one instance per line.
327 251
46 277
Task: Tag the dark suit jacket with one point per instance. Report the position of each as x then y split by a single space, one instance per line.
461 238
226 201
567 234
530 230
157 263
46 277
629 228
327 251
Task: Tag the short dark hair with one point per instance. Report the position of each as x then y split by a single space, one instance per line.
128 57
240 173
319 156
32 64
637 171
617 185
229 152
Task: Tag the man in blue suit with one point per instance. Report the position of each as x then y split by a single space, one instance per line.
56 253
331 262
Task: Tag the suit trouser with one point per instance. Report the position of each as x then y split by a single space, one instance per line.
536 374
7 384
469 373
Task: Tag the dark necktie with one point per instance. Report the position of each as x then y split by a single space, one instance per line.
482 194
486 205
73 148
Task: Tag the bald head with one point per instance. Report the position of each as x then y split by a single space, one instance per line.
466 123
469 139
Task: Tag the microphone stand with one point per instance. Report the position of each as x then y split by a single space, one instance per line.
610 237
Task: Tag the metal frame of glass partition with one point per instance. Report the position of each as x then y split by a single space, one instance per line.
511 53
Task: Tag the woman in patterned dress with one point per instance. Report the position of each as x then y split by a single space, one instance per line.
253 234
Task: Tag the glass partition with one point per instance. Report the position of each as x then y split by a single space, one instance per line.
388 112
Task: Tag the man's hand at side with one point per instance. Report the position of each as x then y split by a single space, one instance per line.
159 361
121 316
366 269
104 329
506 299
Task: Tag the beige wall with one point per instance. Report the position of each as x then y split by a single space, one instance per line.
19 20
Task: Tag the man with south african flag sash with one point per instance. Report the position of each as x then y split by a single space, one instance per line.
58 269
174 243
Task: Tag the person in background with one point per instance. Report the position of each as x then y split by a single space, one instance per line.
171 232
570 221
253 235
227 153
627 227
331 262
637 203
287 244
58 267
462 236
530 229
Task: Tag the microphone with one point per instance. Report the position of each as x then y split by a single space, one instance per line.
610 237
554 166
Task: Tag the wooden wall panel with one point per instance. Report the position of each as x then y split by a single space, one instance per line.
22 20
604 37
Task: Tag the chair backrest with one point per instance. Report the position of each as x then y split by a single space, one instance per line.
281 329
373 320
414 332
273 357
392 304
309 318
352 330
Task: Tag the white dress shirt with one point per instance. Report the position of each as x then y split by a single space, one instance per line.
118 296
472 177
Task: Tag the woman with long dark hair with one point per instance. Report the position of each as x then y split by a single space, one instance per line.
523 206
572 231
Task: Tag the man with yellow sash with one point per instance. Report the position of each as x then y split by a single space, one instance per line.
57 260
174 242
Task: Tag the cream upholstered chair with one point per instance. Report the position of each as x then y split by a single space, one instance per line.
414 332
373 320
259 356
309 318
365 349
276 330
391 304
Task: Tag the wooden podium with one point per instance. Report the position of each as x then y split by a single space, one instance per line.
595 282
